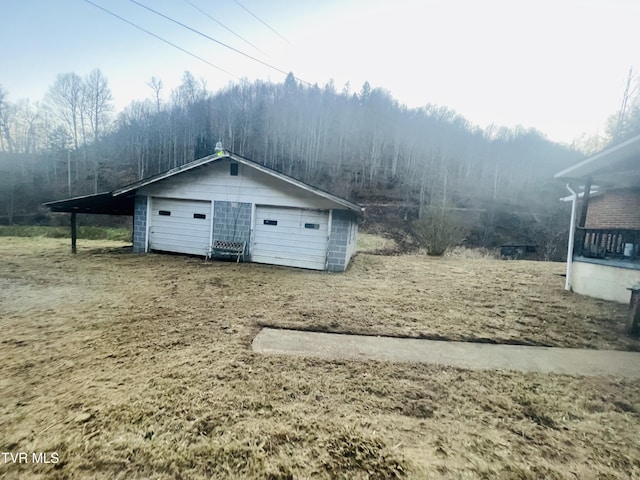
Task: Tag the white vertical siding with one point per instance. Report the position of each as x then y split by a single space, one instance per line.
214 182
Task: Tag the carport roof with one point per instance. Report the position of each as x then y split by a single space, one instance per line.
100 203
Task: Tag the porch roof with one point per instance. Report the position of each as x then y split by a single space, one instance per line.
617 166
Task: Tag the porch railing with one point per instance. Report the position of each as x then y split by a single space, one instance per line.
613 243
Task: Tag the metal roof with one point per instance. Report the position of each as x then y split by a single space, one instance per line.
100 203
121 200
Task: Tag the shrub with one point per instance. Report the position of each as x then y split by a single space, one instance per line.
436 231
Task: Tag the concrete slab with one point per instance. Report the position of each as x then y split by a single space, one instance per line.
480 356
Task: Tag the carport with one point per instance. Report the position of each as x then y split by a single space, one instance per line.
99 204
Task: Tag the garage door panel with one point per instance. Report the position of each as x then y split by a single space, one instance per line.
287 241
288 221
289 249
183 223
181 217
287 262
179 247
183 211
286 214
279 231
292 254
179 213
164 237
178 230
284 236
291 242
176 214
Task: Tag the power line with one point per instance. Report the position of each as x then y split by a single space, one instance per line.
213 39
262 21
161 39
224 26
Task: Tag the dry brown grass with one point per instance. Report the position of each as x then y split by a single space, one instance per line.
456 298
139 366
473 253
371 243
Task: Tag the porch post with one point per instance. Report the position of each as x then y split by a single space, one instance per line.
583 214
74 234
571 242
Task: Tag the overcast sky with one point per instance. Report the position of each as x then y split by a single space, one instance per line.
557 65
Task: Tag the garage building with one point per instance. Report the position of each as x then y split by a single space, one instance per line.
228 198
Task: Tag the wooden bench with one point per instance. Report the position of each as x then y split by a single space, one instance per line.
227 249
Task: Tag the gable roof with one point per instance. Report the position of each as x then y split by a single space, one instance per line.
91 203
611 164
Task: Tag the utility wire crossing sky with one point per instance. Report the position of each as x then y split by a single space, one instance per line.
557 66
225 27
211 38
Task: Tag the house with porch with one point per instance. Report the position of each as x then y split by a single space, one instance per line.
603 257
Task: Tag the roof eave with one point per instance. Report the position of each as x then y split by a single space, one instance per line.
80 197
593 163
341 201
169 173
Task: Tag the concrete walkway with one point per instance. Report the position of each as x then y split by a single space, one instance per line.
479 356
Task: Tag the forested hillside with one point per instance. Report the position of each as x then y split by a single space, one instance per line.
359 144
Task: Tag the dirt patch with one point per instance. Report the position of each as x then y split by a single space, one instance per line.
140 366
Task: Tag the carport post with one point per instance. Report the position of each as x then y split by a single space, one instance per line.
74 235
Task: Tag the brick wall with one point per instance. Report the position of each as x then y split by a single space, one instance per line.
615 209
232 222
140 224
337 259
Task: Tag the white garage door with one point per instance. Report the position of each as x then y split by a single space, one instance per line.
181 226
291 236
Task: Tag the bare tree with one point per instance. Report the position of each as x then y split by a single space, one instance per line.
156 86
6 140
65 100
97 101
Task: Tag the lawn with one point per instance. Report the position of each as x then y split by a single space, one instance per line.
140 366
462 297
